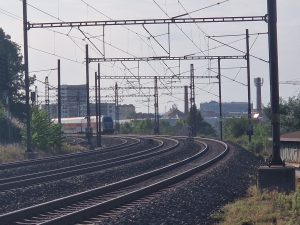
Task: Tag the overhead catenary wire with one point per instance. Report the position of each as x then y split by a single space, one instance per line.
197 10
68 35
180 28
210 37
234 48
126 28
170 67
236 35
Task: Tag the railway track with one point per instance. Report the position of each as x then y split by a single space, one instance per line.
86 206
30 166
56 174
125 143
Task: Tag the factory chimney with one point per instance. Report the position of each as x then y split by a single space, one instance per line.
258 83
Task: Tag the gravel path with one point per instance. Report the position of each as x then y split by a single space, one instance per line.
192 202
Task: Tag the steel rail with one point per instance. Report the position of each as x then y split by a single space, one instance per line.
59 203
56 174
68 156
69 203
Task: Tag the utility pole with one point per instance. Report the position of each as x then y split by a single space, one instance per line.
274 82
78 104
117 107
220 99
58 93
156 112
88 114
250 127
192 100
148 100
275 176
36 96
97 114
186 100
99 107
28 110
47 96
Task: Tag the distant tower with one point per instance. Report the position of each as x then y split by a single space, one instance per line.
186 100
258 83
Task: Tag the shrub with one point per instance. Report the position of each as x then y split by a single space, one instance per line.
46 135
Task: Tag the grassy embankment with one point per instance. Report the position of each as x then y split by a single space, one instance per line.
267 208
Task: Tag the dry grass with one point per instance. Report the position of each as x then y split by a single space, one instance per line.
72 148
11 152
16 152
262 209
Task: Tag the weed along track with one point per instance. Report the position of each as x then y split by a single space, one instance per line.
86 206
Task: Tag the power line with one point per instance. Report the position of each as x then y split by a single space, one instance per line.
229 78
197 10
12 15
236 35
221 45
180 28
44 70
225 36
139 35
239 50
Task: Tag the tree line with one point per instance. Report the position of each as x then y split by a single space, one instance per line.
46 135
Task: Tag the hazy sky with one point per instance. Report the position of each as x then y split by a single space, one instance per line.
46 45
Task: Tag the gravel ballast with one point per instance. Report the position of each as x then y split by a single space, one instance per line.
24 197
193 201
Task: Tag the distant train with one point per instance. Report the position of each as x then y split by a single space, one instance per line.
78 124
107 125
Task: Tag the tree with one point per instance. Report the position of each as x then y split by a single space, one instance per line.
289 114
198 125
126 128
235 130
10 131
46 135
12 80
235 127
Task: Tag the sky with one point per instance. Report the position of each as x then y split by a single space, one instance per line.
68 45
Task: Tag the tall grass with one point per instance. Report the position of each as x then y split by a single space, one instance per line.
267 208
16 152
11 152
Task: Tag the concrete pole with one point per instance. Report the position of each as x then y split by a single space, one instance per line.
27 84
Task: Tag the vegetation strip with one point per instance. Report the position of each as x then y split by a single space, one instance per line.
262 208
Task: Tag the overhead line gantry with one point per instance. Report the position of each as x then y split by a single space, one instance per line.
148 21
174 58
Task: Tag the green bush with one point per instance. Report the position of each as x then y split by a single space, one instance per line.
46 135
235 131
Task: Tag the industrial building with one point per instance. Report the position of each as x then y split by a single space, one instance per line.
229 109
73 104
